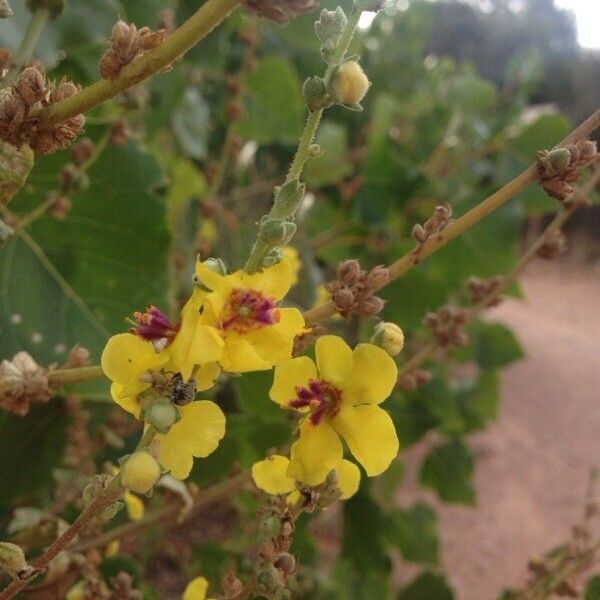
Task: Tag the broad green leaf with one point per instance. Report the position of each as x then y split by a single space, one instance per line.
448 469
414 531
275 109
592 588
333 164
471 94
75 281
427 586
543 134
496 345
31 447
478 402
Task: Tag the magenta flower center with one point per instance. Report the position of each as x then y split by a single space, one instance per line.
153 325
321 397
248 310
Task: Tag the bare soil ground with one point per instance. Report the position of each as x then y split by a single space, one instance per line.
533 463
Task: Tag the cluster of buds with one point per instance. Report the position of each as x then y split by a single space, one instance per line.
18 122
320 496
414 379
277 565
557 169
486 290
22 382
127 43
440 219
279 11
447 325
554 245
353 292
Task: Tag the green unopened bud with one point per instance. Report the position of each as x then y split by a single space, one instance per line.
288 198
559 158
140 472
270 580
54 7
12 560
314 92
272 257
5 10
349 84
162 415
277 232
271 526
389 337
216 265
331 24
315 150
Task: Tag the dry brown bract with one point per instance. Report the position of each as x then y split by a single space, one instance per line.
126 43
557 169
18 121
279 11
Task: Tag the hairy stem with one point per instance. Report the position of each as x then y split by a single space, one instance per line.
198 26
29 42
462 224
75 375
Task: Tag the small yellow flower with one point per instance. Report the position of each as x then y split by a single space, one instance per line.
237 323
135 506
291 255
270 475
339 396
196 589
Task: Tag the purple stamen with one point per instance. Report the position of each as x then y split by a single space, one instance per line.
321 397
153 325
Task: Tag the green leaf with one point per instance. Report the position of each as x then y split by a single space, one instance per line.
544 133
427 586
414 531
448 469
274 103
592 588
496 346
75 281
478 401
253 394
30 447
333 164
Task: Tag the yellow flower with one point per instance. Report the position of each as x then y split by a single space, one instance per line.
132 363
237 322
291 255
324 296
196 589
339 396
270 475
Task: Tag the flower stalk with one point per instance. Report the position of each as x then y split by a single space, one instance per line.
36 24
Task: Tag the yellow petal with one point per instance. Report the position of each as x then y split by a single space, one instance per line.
207 344
240 357
270 475
274 281
370 435
198 433
274 343
213 281
289 375
348 479
127 356
372 376
205 375
125 399
315 454
291 255
334 358
112 549
196 589
134 506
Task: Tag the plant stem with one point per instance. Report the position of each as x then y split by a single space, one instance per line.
462 224
29 42
198 26
59 377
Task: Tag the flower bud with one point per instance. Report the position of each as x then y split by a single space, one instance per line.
559 158
349 271
277 232
371 306
216 265
419 233
12 560
389 337
5 10
286 563
140 472
378 277
314 92
349 83
162 415
343 299
272 257
331 24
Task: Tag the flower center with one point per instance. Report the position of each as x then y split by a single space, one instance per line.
248 310
153 326
321 397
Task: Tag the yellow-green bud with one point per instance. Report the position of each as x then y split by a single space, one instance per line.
349 83
12 560
162 415
277 232
389 337
140 472
315 93
216 265
559 158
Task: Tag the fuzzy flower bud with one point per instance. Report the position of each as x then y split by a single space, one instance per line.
22 381
389 337
349 271
349 84
315 93
12 560
140 472
162 415
277 232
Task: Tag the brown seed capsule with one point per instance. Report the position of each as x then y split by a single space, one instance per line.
349 271
343 299
371 306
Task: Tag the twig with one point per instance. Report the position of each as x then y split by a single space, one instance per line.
29 42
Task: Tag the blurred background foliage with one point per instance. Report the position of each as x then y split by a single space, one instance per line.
461 100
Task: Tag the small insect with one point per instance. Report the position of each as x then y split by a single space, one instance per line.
182 392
